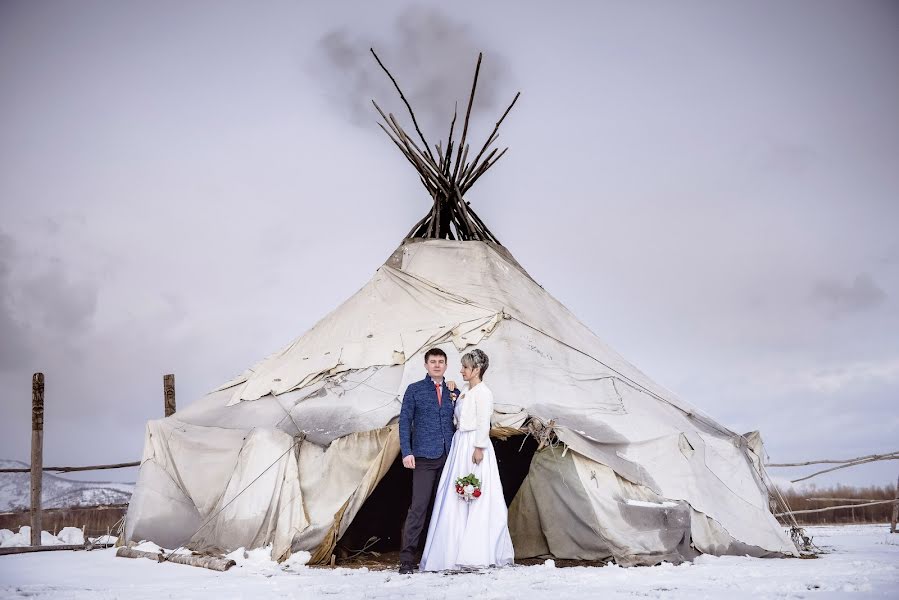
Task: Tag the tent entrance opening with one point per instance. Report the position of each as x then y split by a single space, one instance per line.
384 512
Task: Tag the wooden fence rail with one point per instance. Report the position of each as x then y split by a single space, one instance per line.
37 467
887 456
73 469
817 510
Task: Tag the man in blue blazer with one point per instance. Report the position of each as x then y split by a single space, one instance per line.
426 433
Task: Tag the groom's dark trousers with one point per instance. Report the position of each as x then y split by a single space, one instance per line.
426 432
425 477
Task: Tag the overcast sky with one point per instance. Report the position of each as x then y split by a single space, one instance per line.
712 187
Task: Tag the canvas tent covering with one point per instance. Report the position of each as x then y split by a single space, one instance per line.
289 452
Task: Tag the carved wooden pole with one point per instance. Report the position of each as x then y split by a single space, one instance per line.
895 510
37 455
168 387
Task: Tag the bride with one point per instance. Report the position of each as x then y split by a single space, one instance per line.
474 533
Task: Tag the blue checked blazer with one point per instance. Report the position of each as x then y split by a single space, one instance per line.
426 428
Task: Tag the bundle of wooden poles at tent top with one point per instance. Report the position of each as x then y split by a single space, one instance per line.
450 174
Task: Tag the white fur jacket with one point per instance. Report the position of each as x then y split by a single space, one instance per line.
474 408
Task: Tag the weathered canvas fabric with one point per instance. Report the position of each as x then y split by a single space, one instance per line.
654 477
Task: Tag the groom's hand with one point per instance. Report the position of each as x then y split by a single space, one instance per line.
409 462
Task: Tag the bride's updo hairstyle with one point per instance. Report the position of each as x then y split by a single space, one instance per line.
476 358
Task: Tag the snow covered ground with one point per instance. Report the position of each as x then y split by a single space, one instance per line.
860 561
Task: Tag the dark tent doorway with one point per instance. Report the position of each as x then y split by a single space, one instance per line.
384 512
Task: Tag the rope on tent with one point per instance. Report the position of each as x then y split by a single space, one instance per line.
219 511
629 381
801 540
393 396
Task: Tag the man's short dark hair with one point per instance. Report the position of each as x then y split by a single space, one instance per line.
435 352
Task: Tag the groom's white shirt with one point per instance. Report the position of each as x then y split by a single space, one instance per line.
475 414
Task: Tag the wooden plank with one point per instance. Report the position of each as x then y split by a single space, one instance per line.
25 549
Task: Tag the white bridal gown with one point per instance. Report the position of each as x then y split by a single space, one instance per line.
475 533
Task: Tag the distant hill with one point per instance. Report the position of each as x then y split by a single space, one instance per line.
57 492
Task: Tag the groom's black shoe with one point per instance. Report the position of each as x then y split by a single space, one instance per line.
407 568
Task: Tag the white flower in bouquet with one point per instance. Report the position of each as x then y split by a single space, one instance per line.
469 489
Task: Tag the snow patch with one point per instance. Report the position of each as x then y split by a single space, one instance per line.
299 559
145 546
71 535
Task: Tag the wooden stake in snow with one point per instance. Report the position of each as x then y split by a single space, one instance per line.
37 455
168 389
216 563
895 510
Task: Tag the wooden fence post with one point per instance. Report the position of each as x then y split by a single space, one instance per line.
37 455
168 388
895 510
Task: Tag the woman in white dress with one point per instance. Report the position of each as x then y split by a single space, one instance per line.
470 534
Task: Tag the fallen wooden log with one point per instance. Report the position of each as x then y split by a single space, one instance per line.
216 563
24 549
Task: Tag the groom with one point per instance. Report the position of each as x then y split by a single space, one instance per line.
426 432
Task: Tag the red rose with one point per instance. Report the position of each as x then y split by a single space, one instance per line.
476 493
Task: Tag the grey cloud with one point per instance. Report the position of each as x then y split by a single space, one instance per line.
15 348
432 57
39 304
839 298
62 305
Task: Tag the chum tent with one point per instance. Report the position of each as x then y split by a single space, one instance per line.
597 461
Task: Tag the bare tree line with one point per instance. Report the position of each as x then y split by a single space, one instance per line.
840 495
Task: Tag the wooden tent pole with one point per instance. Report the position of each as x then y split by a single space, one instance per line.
37 455
474 86
408 106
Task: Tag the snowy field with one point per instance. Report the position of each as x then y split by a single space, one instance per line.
860 561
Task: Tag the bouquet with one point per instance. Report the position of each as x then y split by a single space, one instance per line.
468 487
